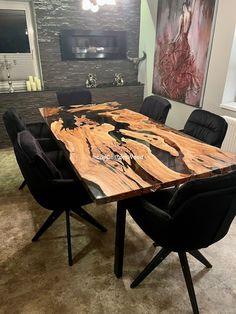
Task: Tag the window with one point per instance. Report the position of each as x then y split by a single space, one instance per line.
19 56
14 33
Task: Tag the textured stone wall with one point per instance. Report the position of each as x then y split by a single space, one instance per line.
55 15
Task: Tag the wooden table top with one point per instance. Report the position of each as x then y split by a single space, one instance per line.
119 153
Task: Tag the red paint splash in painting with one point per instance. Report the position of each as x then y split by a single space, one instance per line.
179 77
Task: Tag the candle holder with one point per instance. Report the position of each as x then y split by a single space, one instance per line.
91 81
6 65
118 79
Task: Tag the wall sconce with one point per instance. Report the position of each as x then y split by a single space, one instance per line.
93 5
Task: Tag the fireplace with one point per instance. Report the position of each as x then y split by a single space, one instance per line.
89 45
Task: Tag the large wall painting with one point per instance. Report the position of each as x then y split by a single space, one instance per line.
183 38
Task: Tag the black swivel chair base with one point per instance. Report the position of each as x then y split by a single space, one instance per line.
56 214
161 255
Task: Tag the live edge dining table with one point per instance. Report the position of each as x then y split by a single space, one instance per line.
119 154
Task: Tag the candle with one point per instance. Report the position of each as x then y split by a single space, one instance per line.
28 86
38 84
31 79
33 86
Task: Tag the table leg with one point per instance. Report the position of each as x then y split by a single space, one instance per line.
120 238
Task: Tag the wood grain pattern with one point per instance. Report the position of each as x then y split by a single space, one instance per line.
119 153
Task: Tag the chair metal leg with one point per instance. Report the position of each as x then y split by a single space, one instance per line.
188 280
86 216
120 239
70 260
50 220
23 184
200 258
161 255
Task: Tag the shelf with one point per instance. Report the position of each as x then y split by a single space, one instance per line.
229 106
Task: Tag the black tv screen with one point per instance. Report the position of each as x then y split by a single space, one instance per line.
13 32
85 45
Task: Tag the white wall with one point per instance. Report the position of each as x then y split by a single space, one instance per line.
147 42
230 86
220 56
218 66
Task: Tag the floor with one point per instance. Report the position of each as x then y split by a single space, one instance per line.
35 277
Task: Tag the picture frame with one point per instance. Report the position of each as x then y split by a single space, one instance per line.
184 34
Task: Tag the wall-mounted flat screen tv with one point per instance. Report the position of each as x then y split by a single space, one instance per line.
87 45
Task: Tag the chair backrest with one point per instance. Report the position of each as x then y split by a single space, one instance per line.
37 169
206 126
202 211
79 96
13 123
156 108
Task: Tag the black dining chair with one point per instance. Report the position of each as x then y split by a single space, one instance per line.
14 124
198 215
53 185
78 96
206 126
156 108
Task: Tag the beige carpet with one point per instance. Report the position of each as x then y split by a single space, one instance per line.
35 277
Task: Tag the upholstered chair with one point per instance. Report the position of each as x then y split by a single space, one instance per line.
156 108
196 216
53 185
206 126
78 96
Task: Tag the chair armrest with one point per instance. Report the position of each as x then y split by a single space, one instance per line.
59 187
144 205
43 134
69 191
70 184
39 130
158 212
62 182
57 157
